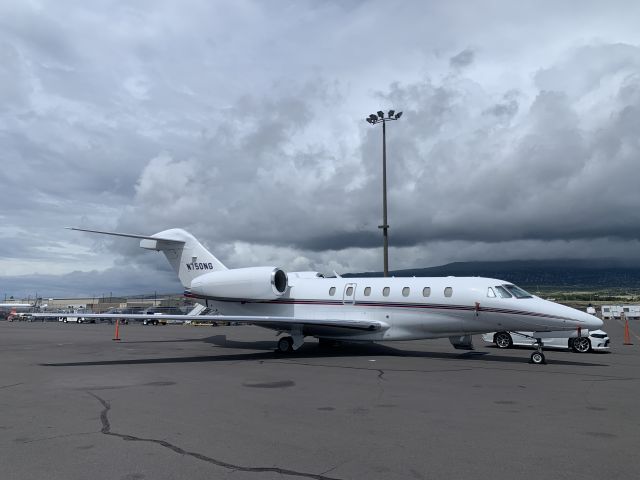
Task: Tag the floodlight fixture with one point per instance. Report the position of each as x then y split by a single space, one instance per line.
391 112
380 114
398 115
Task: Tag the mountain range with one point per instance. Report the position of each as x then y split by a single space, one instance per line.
600 274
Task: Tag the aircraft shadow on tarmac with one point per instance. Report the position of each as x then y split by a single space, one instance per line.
313 350
347 349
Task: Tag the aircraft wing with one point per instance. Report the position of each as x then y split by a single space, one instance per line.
257 320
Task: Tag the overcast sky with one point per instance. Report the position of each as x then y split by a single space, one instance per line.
243 122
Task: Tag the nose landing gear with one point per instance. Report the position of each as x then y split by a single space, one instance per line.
537 357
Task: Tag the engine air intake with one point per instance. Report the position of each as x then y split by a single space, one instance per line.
279 281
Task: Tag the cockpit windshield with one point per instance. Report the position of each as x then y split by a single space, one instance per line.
510 291
503 292
517 291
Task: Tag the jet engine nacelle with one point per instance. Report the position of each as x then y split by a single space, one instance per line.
254 283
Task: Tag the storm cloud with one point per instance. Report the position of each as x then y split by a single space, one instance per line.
245 125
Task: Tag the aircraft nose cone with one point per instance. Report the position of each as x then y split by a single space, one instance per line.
593 322
584 319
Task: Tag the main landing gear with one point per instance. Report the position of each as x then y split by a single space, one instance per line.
537 357
285 345
289 344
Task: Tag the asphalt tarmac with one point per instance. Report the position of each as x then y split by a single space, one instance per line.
184 402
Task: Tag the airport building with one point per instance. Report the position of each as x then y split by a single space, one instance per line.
102 304
618 311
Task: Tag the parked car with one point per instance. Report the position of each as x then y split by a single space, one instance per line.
158 312
597 341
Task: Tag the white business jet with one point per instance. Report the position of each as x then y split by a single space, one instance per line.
357 309
16 305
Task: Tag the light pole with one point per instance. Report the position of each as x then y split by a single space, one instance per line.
374 119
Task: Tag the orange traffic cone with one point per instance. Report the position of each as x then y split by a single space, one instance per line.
627 337
117 337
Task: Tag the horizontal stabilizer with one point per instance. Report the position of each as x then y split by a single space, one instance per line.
129 235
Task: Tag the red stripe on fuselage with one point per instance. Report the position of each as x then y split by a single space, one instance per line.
422 306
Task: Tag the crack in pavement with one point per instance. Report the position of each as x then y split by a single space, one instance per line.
66 435
106 429
334 467
380 379
9 386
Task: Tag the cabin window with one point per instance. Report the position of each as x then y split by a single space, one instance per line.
367 291
517 291
491 293
332 291
426 291
448 292
406 291
385 291
503 292
349 291
606 309
626 310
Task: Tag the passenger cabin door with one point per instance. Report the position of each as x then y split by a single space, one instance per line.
349 294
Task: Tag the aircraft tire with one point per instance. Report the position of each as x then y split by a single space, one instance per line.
503 340
537 358
581 345
285 345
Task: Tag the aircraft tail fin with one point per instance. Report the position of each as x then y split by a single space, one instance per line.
186 255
